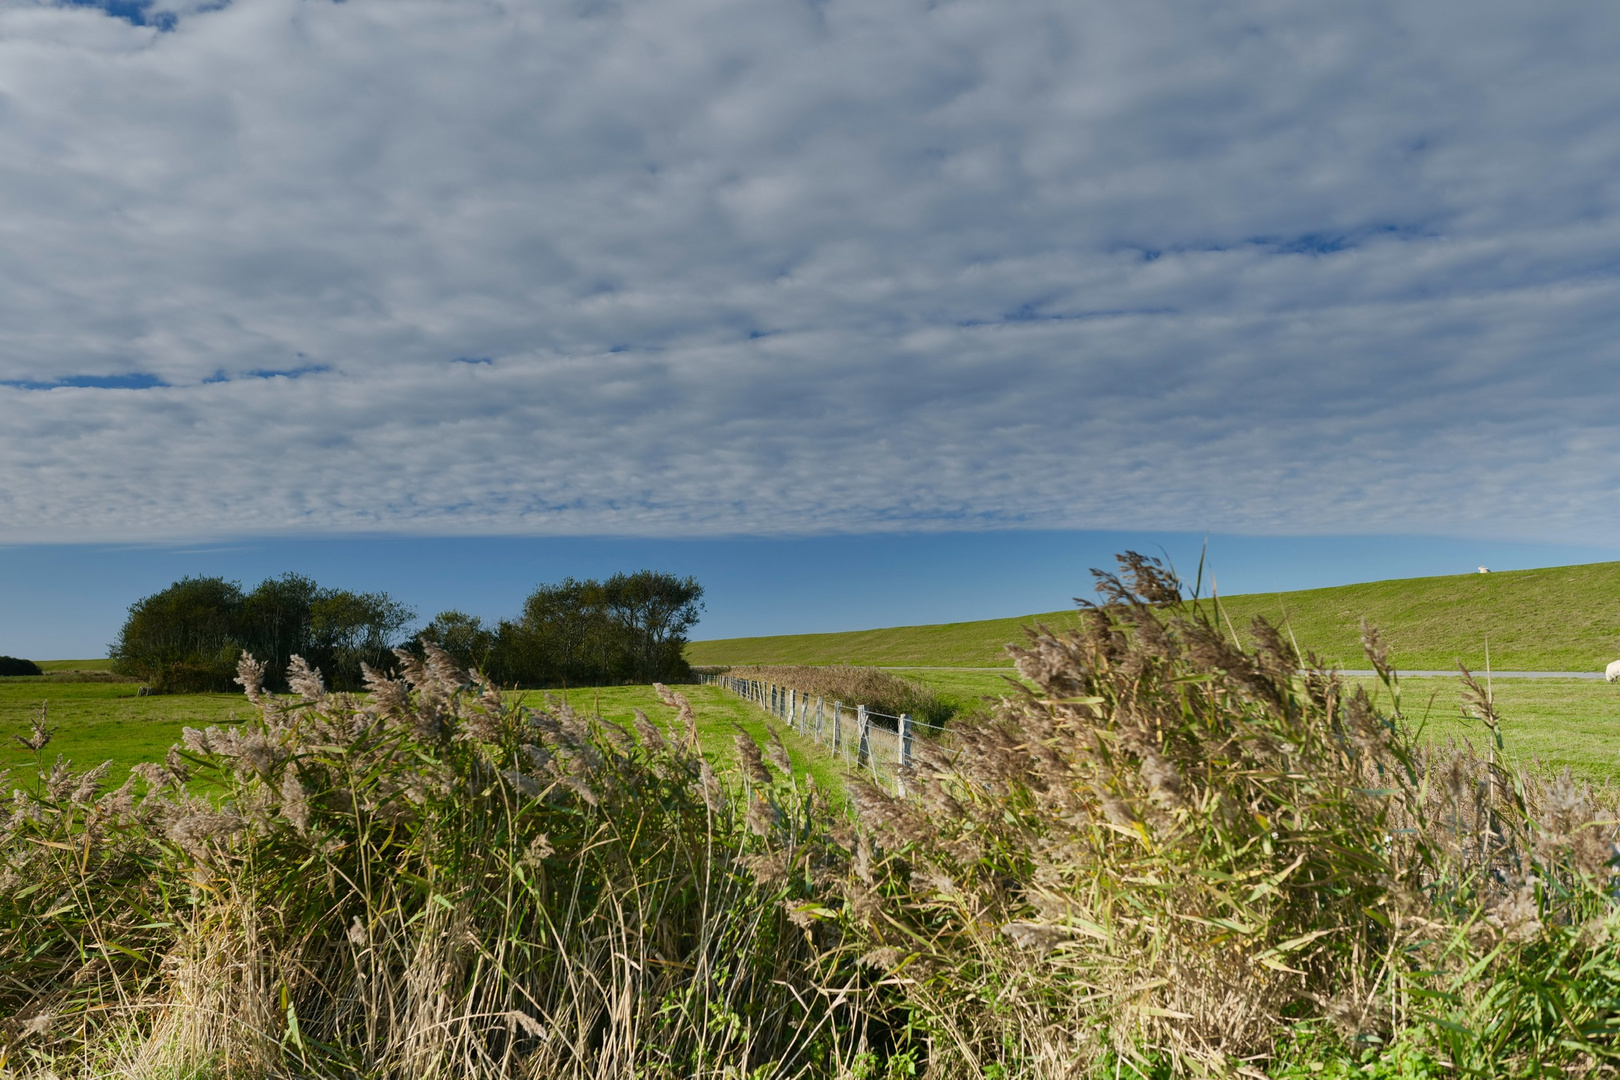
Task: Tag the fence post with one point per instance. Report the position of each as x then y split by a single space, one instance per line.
905 752
838 726
818 719
862 749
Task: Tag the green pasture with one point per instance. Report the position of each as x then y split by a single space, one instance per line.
1564 618
1550 723
1557 723
100 721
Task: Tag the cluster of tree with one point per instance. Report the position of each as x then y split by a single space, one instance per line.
16 665
188 637
630 628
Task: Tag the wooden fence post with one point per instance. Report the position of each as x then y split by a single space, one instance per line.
838 726
863 750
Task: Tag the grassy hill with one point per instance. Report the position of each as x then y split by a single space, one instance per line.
103 664
1564 618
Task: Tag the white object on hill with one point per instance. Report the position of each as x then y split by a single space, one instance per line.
1484 569
1612 672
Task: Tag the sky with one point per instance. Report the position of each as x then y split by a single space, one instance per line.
765 285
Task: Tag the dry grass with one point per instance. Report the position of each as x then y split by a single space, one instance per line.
1177 851
434 882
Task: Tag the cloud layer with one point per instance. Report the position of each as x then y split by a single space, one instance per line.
687 267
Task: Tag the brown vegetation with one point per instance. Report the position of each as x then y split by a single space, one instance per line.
1176 850
879 690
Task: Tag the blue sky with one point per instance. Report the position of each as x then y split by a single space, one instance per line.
841 274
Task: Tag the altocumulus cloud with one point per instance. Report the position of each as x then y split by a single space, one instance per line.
686 267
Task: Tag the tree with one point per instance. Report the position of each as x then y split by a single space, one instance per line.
182 639
465 638
629 628
655 611
274 623
14 665
188 637
348 629
563 627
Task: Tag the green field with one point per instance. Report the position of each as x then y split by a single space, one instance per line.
1559 723
103 664
97 721
1553 723
101 721
1565 618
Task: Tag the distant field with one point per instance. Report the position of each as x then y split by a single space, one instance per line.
103 664
100 721
1573 723
97 721
1564 618
1558 722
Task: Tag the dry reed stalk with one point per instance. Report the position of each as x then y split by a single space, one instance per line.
429 883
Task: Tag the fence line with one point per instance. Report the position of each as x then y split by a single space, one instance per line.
861 738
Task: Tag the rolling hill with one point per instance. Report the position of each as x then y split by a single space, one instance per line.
1563 618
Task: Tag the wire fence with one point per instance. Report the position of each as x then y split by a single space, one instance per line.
864 740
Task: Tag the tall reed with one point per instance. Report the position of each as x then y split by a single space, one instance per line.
1182 854
430 882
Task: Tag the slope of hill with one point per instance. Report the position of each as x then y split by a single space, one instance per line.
1564 618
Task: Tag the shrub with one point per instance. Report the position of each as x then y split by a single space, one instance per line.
432 882
12 665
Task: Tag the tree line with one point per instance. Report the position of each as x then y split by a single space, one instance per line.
630 628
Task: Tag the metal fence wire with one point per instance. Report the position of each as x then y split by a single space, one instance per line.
863 739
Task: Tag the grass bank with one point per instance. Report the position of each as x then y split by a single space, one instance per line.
1564 618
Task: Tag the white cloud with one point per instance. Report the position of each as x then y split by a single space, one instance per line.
851 265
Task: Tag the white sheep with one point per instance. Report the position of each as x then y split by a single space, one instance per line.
1612 672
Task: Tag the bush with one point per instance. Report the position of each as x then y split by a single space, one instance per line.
12 665
434 882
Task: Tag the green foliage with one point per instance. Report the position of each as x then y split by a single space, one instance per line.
12 666
630 628
186 638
